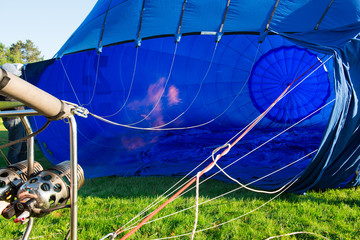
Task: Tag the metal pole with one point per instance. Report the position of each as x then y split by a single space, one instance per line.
19 113
30 158
30 146
28 229
73 175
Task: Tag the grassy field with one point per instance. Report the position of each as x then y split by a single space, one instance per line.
107 203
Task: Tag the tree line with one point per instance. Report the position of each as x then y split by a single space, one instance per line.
20 52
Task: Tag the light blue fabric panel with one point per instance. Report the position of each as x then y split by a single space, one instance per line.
203 16
159 18
169 10
297 16
341 13
122 22
248 16
85 37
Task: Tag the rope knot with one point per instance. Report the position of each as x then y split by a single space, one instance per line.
228 146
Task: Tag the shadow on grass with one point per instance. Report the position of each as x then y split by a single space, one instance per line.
154 186
345 196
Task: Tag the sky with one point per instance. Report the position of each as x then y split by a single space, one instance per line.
47 23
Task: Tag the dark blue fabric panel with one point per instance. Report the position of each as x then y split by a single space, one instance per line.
201 88
338 156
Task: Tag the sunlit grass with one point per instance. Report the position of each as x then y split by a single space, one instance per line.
107 203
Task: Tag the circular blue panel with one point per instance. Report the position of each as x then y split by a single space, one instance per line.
278 68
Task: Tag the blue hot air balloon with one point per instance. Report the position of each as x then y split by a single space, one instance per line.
181 78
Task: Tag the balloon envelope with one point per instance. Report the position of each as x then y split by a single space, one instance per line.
205 91
228 65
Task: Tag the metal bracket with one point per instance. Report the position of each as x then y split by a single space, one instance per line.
80 111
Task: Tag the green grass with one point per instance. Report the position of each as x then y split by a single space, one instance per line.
107 203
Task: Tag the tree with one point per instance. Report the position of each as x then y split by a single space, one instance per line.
27 51
2 54
20 52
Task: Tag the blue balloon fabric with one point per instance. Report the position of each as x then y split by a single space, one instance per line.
184 77
277 69
218 87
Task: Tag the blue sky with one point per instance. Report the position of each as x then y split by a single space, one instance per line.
47 23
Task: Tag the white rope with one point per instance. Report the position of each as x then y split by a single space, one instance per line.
162 197
221 224
234 190
290 90
294 87
154 204
67 76
156 128
198 180
288 106
110 235
255 149
163 91
198 92
245 155
131 85
196 205
262 146
159 199
244 186
295 233
148 129
95 84
231 103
